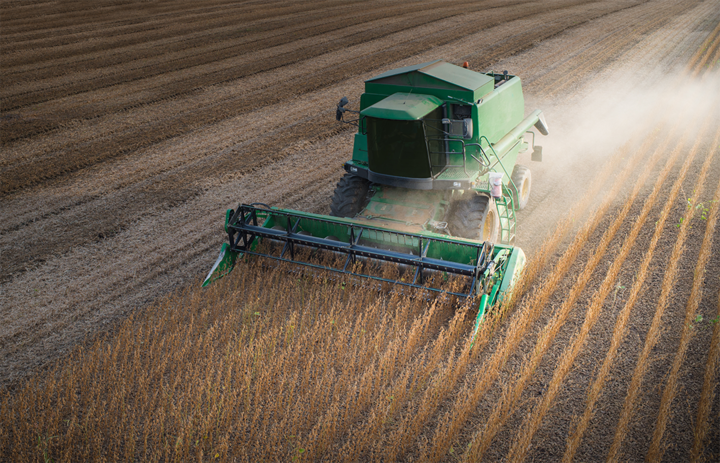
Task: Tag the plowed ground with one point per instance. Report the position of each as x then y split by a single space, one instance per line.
128 128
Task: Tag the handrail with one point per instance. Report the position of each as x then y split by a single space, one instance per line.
479 161
499 161
463 152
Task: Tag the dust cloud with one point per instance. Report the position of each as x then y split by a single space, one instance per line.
618 112
629 109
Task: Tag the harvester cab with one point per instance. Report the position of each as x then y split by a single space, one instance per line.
432 186
447 131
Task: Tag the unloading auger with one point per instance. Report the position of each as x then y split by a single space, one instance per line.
428 188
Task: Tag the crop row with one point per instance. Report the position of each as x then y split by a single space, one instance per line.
532 422
509 400
525 318
511 394
178 59
607 286
30 24
279 374
655 452
77 156
316 369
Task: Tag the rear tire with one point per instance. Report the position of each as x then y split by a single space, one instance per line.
522 179
349 197
476 218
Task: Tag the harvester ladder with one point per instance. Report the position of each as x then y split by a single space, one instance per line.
506 211
505 204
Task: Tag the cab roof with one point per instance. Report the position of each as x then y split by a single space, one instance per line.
403 106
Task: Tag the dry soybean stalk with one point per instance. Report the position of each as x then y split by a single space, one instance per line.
520 447
482 441
654 331
471 394
655 452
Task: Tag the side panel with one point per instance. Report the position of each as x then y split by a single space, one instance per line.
360 149
508 162
501 110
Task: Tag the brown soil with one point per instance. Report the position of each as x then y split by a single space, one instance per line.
127 131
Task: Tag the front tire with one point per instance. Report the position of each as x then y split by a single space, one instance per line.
476 218
349 197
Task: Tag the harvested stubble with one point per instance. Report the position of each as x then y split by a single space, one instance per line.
136 92
596 59
238 372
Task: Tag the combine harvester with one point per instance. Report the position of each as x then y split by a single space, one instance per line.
432 185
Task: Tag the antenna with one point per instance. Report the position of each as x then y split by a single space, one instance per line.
408 93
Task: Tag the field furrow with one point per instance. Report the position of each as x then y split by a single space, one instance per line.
136 137
74 159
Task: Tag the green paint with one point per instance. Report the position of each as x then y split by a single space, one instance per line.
403 106
224 264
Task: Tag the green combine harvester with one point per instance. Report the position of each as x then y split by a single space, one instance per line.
432 185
